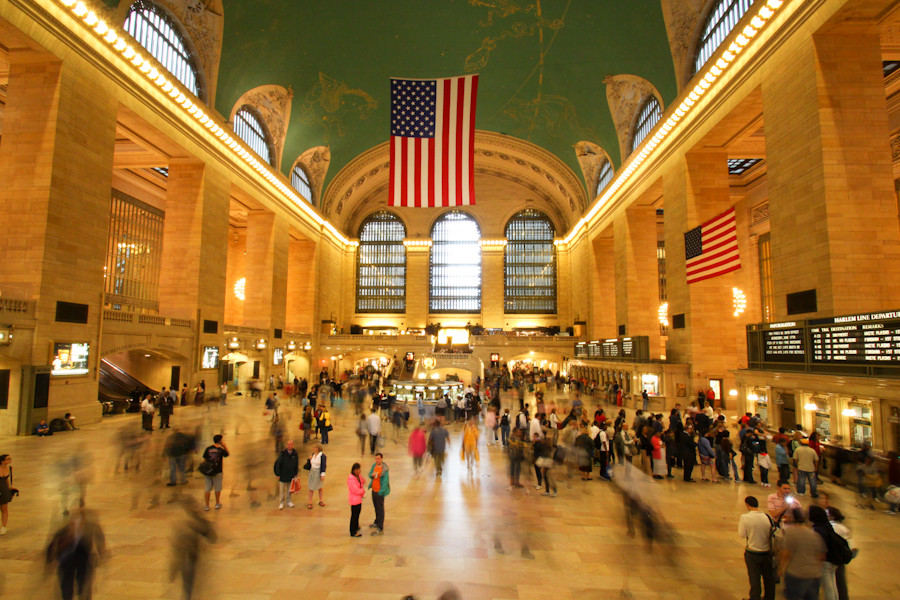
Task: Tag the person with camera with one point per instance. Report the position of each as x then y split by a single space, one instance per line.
7 491
781 503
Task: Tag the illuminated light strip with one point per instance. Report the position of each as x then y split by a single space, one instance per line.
147 68
714 71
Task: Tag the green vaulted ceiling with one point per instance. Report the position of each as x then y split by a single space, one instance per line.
541 64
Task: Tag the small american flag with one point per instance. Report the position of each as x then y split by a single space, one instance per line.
712 249
433 141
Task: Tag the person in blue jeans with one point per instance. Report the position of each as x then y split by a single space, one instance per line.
807 460
504 428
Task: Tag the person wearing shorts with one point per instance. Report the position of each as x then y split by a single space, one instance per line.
213 482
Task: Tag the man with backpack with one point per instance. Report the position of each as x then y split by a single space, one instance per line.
755 528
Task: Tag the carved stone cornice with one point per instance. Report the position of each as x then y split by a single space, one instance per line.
683 19
591 157
315 162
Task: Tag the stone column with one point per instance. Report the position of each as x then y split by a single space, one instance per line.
833 211
637 274
602 291
56 163
266 270
417 279
492 286
301 289
195 243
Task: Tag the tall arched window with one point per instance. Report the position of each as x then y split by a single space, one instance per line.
249 128
529 264
606 175
300 182
721 20
381 264
455 264
153 29
647 119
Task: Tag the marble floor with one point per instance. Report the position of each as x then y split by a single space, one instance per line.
467 530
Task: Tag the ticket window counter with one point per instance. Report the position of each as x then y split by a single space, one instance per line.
762 408
822 425
650 383
860 415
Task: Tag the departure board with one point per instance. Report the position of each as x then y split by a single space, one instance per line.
635 348
784 345
858 339
611 349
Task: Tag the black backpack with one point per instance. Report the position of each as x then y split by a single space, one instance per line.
839 552
504 421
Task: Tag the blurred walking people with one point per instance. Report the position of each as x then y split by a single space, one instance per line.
165 407
76 549
287 466
212 470
356 491
317 464
380 484
801 560
191 536
417 445
362 433
469 451
178 446
7 491
438 441
373 425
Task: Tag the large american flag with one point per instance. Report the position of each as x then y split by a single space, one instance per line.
712 249
433 141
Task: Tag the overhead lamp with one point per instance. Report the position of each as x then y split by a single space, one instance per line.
850 412
234 343
261 344
811 406
291 345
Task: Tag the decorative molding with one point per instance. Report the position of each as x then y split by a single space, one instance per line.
759 214
683 20
273 103
316 161
590 157
895 146
625 95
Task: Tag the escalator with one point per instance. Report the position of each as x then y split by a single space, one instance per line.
117 389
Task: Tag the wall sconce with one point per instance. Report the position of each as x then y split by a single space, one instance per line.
233 343
307 346
261 344
811 406
291 345
240 289
850 412
739 301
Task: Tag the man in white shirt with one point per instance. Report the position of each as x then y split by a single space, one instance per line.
807 460
535 428
373 424
147 411
755 528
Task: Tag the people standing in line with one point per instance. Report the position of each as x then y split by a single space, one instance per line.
317 465
213 480
287 466
147 412
782 458
707 456
380 484
802 555
659 455
438 441
7 491
755 529
77 548
417 446
687 449
356 491
373 424
807 464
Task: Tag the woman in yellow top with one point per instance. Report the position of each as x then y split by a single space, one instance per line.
325 424
469 451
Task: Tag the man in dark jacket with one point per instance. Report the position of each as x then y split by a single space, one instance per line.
687 448
287 465
178 446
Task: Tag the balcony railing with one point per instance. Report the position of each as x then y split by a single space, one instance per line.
118 316
23 309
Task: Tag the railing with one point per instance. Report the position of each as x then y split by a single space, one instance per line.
505 339
119 300
241 330
356 337
19 308
119 316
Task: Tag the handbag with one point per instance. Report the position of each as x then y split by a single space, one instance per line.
308 465
295 485
207 468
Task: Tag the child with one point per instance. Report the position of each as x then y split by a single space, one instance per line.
764 463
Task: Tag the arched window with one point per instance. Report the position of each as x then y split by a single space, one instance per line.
153 29
721 20
647 119
529 264
606 175
381 264
455 264
249 128
300 182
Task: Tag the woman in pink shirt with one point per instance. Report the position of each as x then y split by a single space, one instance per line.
417 447
356 491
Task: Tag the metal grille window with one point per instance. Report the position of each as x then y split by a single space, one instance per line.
529 264
300 182
647 119
721 20
133 253
249 128
766 278
154 30
381 265
606 175
739 166
455 264
661 278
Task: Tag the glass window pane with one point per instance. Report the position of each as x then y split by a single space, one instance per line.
647 119
721 20
249 128
300 182
530 264
381 265
455 264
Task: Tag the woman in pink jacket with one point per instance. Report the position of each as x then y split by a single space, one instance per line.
417 447
356 491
